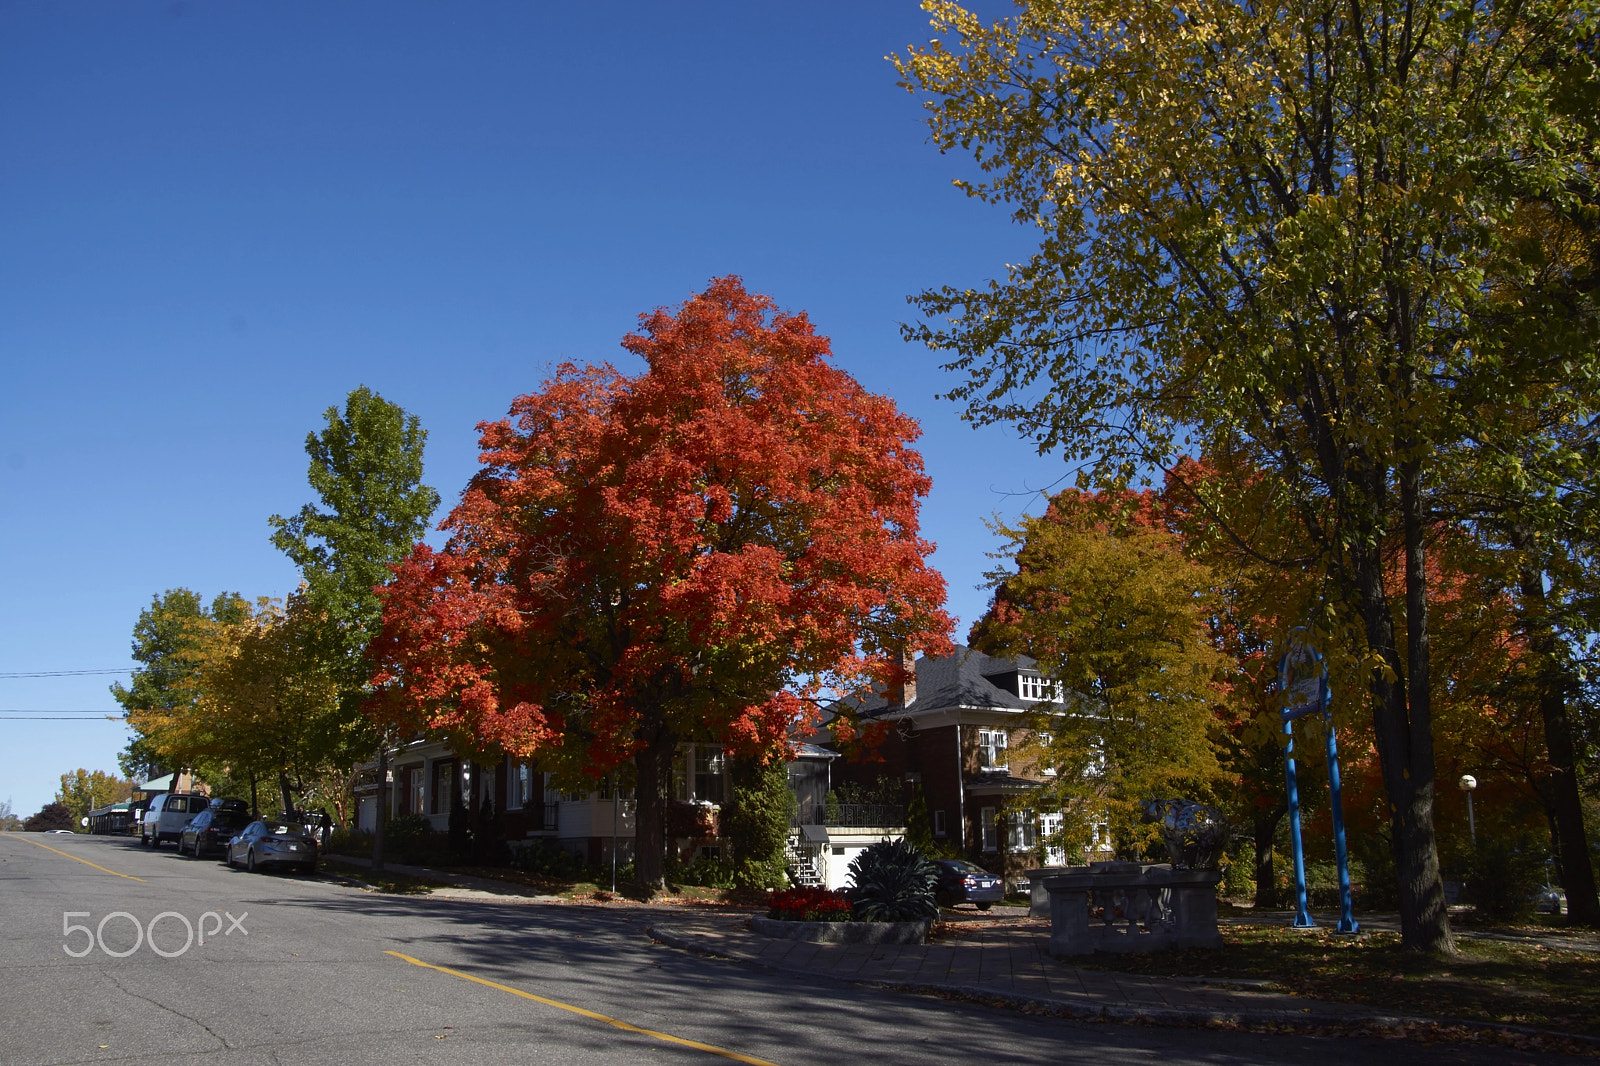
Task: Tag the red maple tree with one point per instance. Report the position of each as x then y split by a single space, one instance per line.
699 552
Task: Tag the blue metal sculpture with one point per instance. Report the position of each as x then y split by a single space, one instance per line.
1303 681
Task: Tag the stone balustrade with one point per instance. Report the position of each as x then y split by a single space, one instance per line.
1130 906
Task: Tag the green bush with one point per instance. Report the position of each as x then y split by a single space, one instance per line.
704 872
350 842
546 858
1502 877
755 822
411 840
891 881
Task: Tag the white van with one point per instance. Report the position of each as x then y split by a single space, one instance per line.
168 814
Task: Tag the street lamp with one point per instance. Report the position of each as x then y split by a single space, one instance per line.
1467 784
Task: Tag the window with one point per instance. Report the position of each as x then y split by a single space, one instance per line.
1032 687
1049 826
1022 833
519 786
708 768
992 749
408 790
986 819
1046 767
444 773
938 824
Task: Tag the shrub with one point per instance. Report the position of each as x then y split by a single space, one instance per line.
546 858
1502 878
412 841
755 822
808 905
891 881
705 872
350 842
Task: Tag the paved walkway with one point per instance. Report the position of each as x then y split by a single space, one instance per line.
1006 960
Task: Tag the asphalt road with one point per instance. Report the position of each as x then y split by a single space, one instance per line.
297 970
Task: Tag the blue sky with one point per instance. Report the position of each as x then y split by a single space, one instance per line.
221 218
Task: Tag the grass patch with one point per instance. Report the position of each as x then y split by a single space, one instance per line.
392 883
1490 981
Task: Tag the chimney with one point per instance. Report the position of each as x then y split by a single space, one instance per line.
908 663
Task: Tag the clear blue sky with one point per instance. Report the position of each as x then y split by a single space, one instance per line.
218 219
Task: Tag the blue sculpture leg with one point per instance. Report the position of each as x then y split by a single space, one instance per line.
1302 918
1347 918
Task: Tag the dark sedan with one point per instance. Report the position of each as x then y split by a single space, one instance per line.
271 842
962 882
210 830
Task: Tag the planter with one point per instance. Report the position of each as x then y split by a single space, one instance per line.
1129 906
843 932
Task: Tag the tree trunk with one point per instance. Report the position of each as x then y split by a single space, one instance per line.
1266 828
380 814
1403 728
653 766
255 806
288 794
1562 798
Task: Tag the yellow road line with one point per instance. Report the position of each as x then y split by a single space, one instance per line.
74 858
724 1052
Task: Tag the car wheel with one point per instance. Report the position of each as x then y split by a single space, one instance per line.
180 847
985 906
250 860
227 857
144 841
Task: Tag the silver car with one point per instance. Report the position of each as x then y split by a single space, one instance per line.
270 842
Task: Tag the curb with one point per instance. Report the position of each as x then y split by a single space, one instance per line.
1165 1016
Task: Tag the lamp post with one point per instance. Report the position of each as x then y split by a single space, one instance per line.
1467 784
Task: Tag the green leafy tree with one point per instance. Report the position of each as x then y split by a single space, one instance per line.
170 639
366 469
50 816
83 791
1293 231
1107 603
756 822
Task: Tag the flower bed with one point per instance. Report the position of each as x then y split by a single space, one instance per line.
808 905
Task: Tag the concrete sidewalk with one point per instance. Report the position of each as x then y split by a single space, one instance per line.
1007 960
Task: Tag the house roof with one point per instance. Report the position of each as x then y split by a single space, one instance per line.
959 680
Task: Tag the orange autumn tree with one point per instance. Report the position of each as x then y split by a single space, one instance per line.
700 552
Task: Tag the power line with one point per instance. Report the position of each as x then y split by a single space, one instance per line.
52 714
66 673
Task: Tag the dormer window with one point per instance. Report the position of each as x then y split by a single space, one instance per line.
992 749
1034 687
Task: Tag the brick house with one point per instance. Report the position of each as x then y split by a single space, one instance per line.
956 730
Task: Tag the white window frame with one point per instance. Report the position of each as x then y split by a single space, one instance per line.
989 833
939 829
1022 831
1037 689
991 742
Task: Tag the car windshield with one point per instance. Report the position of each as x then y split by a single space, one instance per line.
967 868
279 829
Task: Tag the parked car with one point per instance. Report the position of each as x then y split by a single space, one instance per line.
273 842
237 806
168 814
962 882
1550 899
211 829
